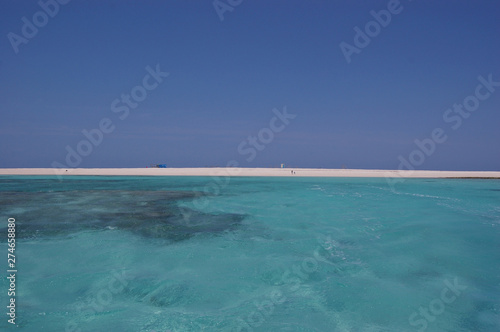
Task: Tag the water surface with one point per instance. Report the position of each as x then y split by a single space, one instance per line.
261 254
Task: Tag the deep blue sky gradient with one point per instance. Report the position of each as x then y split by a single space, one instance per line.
227 76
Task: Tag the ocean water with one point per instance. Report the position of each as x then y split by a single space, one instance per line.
163 254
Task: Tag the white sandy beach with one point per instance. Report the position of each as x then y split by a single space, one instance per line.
236 171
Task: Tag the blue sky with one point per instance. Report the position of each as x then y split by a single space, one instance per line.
226 77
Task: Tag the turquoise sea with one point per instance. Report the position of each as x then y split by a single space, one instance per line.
252 254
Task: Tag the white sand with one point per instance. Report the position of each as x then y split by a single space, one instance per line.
234 171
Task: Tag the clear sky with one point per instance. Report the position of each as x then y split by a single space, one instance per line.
225 78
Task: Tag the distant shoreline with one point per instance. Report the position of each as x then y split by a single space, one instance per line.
263 172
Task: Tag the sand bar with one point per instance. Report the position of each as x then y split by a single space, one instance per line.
237 171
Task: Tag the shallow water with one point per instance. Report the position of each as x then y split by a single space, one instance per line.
261 254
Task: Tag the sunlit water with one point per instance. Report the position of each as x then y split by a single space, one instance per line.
252 254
